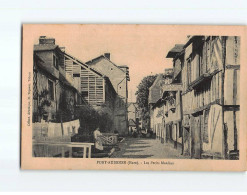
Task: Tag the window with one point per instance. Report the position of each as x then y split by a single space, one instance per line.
189 70
55 61
51 89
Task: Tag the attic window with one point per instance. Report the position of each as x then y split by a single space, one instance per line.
55 61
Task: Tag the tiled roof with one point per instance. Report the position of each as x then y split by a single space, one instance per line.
177 49
155 90
95 60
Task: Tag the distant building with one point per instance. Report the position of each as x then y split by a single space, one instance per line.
119 77
134 116
154 95
157 117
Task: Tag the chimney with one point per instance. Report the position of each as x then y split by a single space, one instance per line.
107 55
46 40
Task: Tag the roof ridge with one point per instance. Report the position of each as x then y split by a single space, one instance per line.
91 61
88 66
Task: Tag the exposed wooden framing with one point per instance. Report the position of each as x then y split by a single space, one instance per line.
223 96
235 67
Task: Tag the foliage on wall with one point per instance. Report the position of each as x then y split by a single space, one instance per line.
44 102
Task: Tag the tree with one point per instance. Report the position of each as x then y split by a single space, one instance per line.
142 95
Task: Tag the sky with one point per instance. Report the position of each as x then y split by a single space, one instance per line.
143 48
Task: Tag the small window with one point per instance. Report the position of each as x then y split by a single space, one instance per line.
55 61
51 89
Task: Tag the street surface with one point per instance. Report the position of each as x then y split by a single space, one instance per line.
146 148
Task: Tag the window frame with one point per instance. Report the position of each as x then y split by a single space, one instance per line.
48 87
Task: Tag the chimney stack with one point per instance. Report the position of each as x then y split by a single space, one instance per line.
46 40
107 55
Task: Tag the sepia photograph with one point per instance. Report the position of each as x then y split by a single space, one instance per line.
133 92
123 96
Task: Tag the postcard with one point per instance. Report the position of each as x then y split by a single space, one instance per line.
133 97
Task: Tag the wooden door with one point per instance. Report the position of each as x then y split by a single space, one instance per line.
196 138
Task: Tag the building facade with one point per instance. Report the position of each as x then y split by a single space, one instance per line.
54 96
64 86
201 103
119 77
154 95
208 69
211 96
156 103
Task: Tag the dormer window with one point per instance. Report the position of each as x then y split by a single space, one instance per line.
55 61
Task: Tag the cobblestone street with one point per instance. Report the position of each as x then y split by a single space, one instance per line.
146 148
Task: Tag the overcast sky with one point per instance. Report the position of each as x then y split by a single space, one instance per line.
141 47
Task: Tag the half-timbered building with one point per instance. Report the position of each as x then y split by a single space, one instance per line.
210 97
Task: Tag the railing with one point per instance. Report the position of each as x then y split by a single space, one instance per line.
108 139
86 147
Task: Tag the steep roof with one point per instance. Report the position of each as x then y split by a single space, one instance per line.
155 90
95 60
175 50
84 64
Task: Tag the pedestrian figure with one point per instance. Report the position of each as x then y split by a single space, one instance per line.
97 140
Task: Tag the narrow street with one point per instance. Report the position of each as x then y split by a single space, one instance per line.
146 148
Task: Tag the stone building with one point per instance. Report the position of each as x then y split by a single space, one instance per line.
119 77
